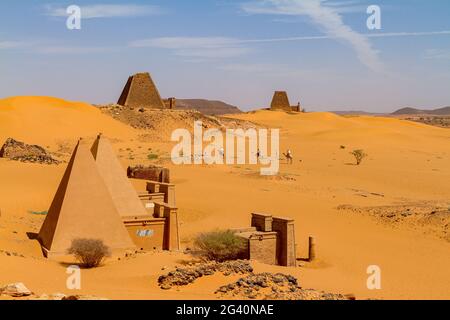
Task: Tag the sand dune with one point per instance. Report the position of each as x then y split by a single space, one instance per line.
44 120
407 162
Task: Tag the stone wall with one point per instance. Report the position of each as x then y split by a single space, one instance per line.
286 241
152 173
262 222
271 239
170 103
147 234
263 247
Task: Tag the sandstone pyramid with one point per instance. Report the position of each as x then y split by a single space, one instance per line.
280 101
122 192
82 209
140 92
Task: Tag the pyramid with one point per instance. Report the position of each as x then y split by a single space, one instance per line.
140 92
280 101
122 192
82 209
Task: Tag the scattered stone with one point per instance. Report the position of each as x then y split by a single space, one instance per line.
185 276
152 172
166 287
429 217
158 120
62 296
20 151
83 297
54 296
16 290
269 286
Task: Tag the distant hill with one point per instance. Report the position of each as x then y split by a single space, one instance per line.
208 107
438 112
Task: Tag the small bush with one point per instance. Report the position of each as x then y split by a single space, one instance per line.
359 155
221 246
152 156
89 252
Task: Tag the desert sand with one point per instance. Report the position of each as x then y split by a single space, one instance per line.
408 163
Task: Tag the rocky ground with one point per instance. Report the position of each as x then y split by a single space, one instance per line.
269 286
185 276
163 122
20 151
18 291
429 217
438 121
253 286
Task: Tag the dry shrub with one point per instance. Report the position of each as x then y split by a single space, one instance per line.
222 246
89 252
359 155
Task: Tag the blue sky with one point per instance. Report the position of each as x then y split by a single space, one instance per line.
321 52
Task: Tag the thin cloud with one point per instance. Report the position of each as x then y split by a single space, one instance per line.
328 19
106 10
227 47
67 50
268 7
12 44
263 69
196 47
437 54
368 35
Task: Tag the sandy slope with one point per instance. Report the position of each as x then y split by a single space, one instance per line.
45 120
407 162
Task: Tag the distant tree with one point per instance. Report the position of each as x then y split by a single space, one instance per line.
359 155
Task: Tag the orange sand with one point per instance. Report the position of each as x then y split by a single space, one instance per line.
407 162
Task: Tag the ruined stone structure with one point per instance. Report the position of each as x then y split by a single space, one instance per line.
20 151
170 103
82 209
280 101
153 173
162 227
271 239
140 92
95 200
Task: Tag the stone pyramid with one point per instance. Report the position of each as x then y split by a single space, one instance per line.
122 192
140 92
280 101
82 209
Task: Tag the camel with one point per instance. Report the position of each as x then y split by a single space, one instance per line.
288 156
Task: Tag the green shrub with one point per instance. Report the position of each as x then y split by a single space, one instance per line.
152 156
221 246
89 252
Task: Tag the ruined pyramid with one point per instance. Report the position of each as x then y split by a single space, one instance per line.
140 92
122 192
280 101
82 209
